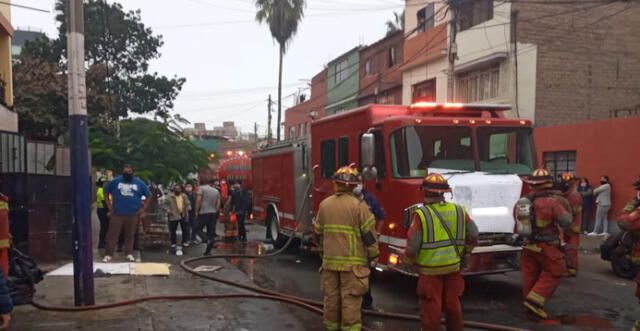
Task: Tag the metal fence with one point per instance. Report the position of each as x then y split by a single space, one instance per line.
12 153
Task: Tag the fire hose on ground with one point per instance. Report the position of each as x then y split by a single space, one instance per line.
261 293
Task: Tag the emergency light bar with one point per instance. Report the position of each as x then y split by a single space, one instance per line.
458 109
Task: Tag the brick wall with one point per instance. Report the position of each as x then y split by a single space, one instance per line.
386 80
588 58
299 114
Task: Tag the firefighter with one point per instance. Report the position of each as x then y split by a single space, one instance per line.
572 233
630 221
542 262
348 244
440 239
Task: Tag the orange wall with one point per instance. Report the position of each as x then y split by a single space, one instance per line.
605 147
426 46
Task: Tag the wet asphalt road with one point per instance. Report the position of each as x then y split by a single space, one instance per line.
595 300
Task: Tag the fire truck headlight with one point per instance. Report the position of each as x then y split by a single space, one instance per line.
490 211
391 226
393 259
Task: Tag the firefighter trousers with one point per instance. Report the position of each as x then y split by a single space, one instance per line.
437 294
541 272
572 241
343 291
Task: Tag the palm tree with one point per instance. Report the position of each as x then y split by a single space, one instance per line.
397 24
283 17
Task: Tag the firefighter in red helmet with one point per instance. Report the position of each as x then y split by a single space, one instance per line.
542 263
572 233
440 238
345 230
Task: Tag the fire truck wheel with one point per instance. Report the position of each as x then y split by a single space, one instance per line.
273 232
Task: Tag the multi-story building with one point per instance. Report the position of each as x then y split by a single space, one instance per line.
343 82
424 67
8 118
554 63
380 77
297 119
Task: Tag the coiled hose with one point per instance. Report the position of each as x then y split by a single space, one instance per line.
261 293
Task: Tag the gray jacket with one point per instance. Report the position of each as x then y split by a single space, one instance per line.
603 195
171 206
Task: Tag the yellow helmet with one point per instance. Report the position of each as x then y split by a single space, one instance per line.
539 177
346 175
435 182
567 177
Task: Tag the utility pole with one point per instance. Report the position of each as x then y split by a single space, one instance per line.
255 131
453 48
79 134
269 121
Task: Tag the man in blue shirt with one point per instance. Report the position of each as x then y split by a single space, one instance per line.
123 196
378 212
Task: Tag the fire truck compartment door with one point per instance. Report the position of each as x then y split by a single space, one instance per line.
488 198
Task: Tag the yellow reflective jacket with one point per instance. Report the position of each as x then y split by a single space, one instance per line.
346 232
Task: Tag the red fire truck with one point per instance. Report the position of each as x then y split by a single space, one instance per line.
236 168
480 152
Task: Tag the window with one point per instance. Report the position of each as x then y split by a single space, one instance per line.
425 91
426 18
342 70
475 12
559 162
328 158
480 84
391 57
506 150
343 151
416 148
367 67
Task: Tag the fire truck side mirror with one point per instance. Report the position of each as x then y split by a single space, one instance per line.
367 150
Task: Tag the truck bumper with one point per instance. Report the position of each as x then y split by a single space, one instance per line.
485 260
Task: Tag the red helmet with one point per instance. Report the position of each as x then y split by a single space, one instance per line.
346 175
539 176
435 183
567 177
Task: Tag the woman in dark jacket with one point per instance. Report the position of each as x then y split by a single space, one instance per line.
586 192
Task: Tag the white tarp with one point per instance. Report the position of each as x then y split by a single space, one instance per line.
124 268
488 198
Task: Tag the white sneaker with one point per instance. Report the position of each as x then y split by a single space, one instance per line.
592 234
173 245
130 258
179 252
106 259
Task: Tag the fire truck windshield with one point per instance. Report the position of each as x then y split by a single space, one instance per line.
414 149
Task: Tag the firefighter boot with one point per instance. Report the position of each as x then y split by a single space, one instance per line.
536 309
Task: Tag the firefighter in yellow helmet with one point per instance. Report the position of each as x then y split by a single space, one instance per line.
345 230
440 238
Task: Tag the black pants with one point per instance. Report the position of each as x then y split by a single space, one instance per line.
103 216
209 220
586 219
173 227
192 226
242 231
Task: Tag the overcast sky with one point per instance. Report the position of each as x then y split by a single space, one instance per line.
229 60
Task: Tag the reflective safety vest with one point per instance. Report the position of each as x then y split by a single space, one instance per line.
100 203
438 255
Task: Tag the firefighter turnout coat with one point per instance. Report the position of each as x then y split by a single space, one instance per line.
345 231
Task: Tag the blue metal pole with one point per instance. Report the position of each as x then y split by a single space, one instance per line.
80 177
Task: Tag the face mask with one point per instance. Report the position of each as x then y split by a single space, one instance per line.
127 177
358 189
176 192
188 189
603 182
583 184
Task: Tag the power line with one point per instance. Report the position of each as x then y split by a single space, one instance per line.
24 7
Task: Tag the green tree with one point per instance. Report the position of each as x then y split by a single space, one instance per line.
396 25
158 151
118 49
283 17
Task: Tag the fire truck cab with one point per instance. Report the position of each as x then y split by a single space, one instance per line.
480 152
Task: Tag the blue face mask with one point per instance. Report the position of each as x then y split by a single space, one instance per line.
127 177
